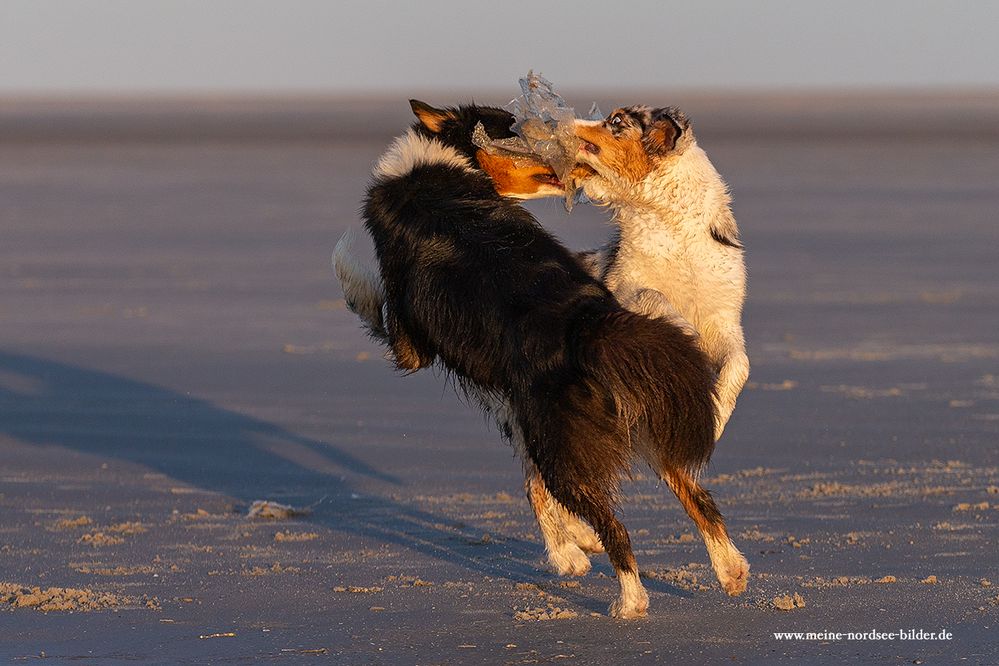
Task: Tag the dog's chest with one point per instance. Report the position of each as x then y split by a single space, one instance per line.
700 276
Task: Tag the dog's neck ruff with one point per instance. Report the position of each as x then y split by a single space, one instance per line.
413 150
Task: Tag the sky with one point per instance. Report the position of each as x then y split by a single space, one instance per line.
53 47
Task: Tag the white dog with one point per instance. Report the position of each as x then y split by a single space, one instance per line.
676 251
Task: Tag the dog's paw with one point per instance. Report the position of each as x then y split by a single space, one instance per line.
569 560
631 606
584 536
733 573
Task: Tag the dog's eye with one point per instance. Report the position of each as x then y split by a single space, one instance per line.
616 120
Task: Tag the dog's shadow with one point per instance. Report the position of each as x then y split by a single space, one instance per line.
45 403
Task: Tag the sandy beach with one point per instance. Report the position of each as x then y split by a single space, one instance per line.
174 347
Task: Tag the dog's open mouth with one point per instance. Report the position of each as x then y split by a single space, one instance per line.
588 147
548 179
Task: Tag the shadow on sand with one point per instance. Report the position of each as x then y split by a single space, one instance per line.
43 402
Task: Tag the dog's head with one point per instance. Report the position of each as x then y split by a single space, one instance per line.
516 176
632 141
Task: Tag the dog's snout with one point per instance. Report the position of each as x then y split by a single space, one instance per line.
586 131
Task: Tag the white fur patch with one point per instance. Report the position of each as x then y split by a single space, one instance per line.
412 150
666 244
633 601
362 287
730 566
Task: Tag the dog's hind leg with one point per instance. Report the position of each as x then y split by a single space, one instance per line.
730 566
633 601
555 521
549 512
581 533
580 448
567 538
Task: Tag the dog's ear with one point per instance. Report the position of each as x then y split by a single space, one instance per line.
432 119
663 131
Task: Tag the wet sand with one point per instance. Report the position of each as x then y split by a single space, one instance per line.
174 347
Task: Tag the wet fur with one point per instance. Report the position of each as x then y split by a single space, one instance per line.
471 281
676 235
676 254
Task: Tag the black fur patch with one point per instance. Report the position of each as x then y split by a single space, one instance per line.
726 240
455 129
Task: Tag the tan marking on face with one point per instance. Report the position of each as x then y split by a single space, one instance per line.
623 154
516 178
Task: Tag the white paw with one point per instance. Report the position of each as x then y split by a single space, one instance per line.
584 537
569 560
630 606
733 572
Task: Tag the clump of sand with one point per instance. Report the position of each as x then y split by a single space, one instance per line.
788 602
542 614
99 538
690 577
274 568
111 535
265 509
70 523
58 598
295 536
128 527
757 535
408 581
356 589
119 570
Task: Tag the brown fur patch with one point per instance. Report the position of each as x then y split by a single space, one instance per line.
406 355
430 117
624 154
698 504
512 177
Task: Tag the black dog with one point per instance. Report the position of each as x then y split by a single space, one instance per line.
472 280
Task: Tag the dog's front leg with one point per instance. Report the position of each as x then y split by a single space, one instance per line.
732 376
596 261
654 305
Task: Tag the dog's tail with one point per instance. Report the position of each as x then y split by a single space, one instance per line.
660 382
362 288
